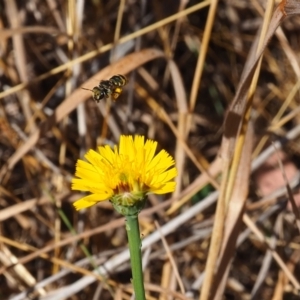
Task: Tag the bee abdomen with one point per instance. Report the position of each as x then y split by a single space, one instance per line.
118 80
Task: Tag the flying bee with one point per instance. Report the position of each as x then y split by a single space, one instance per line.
109 88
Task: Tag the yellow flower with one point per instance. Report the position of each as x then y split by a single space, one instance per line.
124 175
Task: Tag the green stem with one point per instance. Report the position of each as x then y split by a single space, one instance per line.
134 239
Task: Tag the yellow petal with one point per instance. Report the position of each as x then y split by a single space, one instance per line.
165 176
169 187
150 148
87 201
107 153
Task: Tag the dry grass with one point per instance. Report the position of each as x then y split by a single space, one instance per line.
197 86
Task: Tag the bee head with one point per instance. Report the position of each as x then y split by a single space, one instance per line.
97 93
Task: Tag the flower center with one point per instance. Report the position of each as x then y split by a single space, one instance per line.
123 177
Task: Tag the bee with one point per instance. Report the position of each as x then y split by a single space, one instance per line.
109 88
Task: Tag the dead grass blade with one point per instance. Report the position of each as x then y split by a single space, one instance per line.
182 118
238 106
233 220
171 258
21 62
202 53
7 33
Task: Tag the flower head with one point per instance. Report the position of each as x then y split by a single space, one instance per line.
125 174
